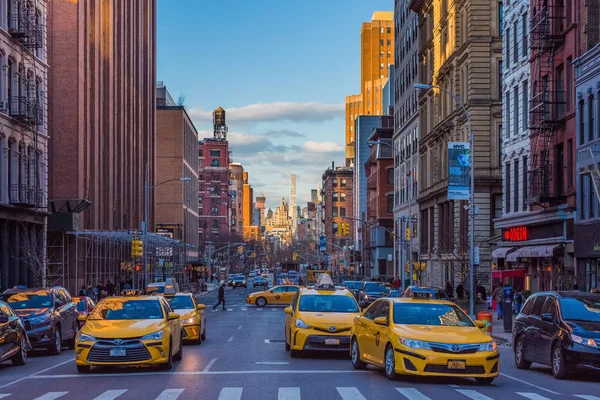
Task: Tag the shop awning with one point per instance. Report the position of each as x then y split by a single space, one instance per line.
500 252
532 252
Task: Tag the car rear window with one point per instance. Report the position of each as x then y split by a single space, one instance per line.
580 309
180 302
430 314
375 287
327 303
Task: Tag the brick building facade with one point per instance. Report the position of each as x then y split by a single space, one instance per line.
213 188
337 187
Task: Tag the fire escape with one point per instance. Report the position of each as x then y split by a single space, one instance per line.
547 106
25 97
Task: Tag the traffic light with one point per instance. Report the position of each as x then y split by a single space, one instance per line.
345 228
407 233
241 249
295 255
137 248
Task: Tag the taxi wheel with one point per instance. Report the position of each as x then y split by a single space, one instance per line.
21 357
287 345
83 369
169 364
484 381
355 355
179 355
261 302
204 332
295 353
390 363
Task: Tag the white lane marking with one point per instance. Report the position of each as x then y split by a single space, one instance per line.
229 309
234 393
350 393
454 386
272 362
3 395
110 394
230 339
51 396
259 309
532 396
530 384
586 397
473 394
209 365
193 373
239 327
244 309
412 394
70 360
289 393
169 394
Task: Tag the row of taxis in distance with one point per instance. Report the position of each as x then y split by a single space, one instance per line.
404 336
135 329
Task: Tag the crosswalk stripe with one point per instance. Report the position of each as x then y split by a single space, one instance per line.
289 393
169 394
110 394
350 393
586 397
412 394
473 394
532 396
233 393
51 396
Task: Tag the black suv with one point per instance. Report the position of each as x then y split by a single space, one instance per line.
49 315
559 329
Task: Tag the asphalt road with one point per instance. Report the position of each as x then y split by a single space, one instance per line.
244 358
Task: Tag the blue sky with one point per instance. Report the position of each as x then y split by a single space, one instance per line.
280 68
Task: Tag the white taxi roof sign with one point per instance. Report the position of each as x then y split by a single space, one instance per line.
325 282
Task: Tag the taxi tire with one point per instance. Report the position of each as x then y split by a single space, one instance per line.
84 369
179 355
356 361
167 366
484 381
295 353
204 332
287 345
390 370
261 302
21 357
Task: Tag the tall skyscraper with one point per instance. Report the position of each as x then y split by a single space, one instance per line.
293 208
377 52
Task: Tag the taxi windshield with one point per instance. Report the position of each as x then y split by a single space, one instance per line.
328 303
430 314
181 302
114 309
23 300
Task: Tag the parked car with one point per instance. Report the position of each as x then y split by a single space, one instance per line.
84 306
432 292
49 316
559 329
14 344
239 281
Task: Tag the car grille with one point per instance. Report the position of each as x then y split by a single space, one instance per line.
316 342
335 331
443 369
454 348
136 352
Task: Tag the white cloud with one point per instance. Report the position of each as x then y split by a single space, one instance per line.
277 111
323 147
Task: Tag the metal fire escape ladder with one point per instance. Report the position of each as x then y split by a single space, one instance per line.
593 172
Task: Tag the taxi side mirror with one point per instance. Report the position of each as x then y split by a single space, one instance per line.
82 318
171 316
288 310
381 321
480 324
201 307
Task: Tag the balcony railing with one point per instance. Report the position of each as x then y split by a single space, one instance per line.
26 196
25 29
22 108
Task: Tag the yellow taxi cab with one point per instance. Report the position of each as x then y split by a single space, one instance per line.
129 330
320 319
420 336
282 294
191 316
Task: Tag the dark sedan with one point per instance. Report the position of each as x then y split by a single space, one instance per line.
431 292
239 281
559 329
372 291
14 343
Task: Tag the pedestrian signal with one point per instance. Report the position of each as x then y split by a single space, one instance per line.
137 248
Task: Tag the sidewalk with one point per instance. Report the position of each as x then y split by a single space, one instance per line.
503 338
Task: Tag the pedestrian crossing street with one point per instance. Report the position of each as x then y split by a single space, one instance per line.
344 393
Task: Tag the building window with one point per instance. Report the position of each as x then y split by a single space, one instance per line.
215 153
334 182
343 183
500 80
335 197
390 176
515 43
215 163
342 197
342 211
560 87
569 88
507 115
215 224
525 35
334 212
516 185
525 105
214 211
508 47
516 110
525 189
591 111
581 122
199 152
390 203
497 205
381 42
334 227
507 187
500 18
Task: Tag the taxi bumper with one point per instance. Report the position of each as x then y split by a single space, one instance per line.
136 352
190 332
314 340
250 300
430 363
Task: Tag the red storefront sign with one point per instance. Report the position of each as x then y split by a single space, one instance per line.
516 234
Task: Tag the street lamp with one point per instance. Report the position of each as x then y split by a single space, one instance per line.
423 86
147 189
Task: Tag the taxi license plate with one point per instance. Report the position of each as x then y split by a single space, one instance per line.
457 364
118 352
333 342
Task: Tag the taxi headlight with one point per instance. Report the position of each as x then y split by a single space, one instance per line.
191 320
489 346
415 344
301 324
583 341
154 336
82 337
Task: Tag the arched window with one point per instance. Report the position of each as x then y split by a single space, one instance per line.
11 168
215 224
581 122
31 164
214 210
215 163
22 164
591 111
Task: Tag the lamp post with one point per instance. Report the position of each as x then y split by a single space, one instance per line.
147 190
422 86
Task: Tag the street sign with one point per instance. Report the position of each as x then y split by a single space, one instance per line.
134 232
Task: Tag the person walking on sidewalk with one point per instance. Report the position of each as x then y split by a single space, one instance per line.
221 297
499 297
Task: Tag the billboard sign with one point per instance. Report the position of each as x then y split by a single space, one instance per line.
459 163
